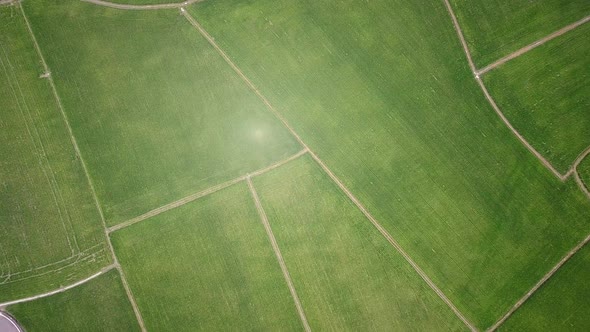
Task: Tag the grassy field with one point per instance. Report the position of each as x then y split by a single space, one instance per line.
399 118
99 305
158 113
50 230
584 171
546 96
207 265
562 304
496 28
349 278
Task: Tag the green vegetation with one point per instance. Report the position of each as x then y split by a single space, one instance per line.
496 28
98 305
381 91
207 265
584 171
50 229
562 304
345 272
159 115
144 2
546 95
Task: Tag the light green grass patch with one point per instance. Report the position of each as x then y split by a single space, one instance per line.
381 91
50 230
101 304
157 112
546 95
561 304
496 28
584 171
207 265
349 278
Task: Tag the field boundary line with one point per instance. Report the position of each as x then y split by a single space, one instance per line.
86 173
574 170
141 7
491 101
202 193
277 251
532 46
59 290
540 283
358 204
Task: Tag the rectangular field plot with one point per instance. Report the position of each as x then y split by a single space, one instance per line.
348 277
388 102
50 229
101 304
157 112
561 304
546 95
496 28
208 266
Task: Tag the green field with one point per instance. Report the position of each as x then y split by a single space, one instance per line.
496 28
50 230
159 117
98 305
546 95
584 171
346 273
562 304
399 118
208 266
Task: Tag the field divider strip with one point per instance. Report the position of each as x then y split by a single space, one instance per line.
491 101
141 7
577 177
61 289
540 283
277 251
86 172
359 205
202 193
532 46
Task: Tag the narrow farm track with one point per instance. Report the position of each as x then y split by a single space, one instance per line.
532 46
540 283
277 251
574 170
85 169
358 204
203 193
61 289
142 7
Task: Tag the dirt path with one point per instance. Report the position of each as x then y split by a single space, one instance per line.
574 170
328 171
532 46
536 153
202 193
142 7
540 283
275 248
59 290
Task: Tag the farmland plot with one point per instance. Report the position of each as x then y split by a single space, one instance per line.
381 91
50 230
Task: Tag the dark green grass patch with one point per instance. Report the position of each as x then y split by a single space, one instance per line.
50 230
381 91
98 305
496 28
545 93
561 304
207 265
349 278
158 114
584 171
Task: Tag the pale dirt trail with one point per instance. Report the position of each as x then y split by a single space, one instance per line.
328 171
532 46
86 172
59 290
275 248
540 283
574 170
142 7
202 193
